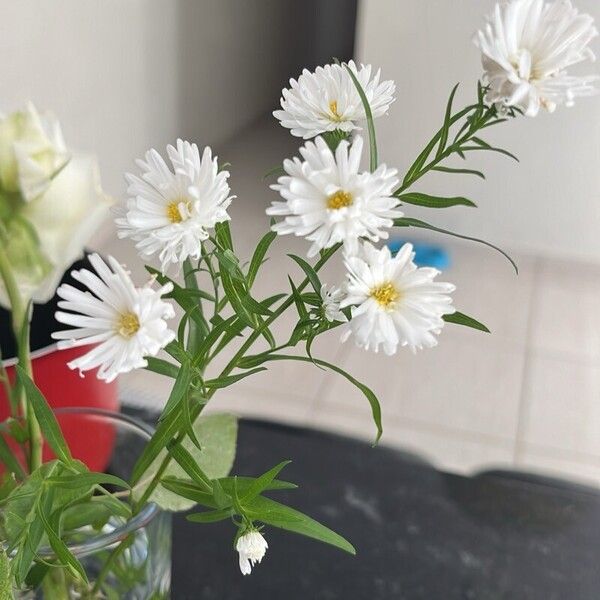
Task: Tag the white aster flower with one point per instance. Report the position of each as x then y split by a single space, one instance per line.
394 302
527 45
252 547
327 100
328 200
169 213
332 298
126 323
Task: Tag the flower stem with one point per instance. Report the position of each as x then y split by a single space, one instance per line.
20 324
231 365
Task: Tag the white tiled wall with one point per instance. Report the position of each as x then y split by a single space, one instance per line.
527 396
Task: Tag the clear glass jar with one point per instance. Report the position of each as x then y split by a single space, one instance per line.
125 559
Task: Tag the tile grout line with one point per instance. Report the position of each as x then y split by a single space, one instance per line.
525 378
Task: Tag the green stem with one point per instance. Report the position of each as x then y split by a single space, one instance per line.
20 321
196 410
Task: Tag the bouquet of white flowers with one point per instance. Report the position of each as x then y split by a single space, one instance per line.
178 212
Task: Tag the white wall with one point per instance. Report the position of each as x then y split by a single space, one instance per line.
550 203
124 75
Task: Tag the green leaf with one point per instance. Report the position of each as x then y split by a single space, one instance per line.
263 482
459 318
459 171
409 222
86 480
9 460
22 527
46 419
211 516
5 577
368 393
60 548
223 234
188 464
259 255
481 145
434 201
369 116
179 390
217 434
162 367
447 123
310 273
226 381
278 170
283 517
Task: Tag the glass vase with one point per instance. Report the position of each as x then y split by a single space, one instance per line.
124 559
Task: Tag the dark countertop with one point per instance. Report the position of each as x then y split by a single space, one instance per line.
419 532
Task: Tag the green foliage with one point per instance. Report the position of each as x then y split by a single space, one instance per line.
243 498
409 222
217 434
369 116
428 201
5 577
459 318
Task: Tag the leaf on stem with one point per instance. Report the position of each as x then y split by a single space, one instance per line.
409 222
45 417
459 318
420 199
369 116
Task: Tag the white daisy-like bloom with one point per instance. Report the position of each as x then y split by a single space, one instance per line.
526 47
394 303
328 200
332 297
327 100
252 548
169 212
125 323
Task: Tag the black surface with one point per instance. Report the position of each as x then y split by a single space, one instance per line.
419 533
43 322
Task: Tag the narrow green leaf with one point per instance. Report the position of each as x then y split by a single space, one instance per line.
369 116
409 222
447 123
60 549
428 201
278 171
283 517
223 233
459 318
368 393
162 367
86 480
211 516
179 390
262 483
488 148
459 171
5 577
310 273
188 464
226 381
9 460
259 255
46 419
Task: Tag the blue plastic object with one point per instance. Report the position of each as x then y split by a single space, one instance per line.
426 255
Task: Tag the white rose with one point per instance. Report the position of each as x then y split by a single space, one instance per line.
32 152
46 215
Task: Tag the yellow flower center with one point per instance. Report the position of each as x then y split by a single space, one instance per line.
385 294
340 199
333 107
173 212
128 325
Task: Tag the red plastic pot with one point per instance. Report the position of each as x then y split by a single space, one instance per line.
63 387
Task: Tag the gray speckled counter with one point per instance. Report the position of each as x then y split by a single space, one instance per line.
419 533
